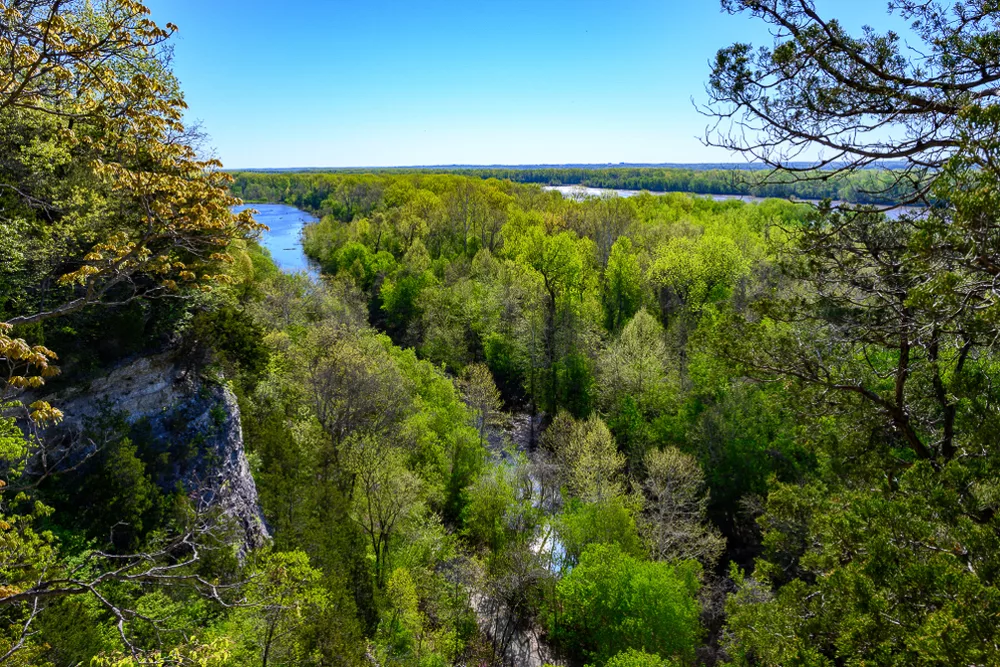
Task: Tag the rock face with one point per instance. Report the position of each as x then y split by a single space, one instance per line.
194 422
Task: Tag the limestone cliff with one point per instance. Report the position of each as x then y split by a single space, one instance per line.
179 411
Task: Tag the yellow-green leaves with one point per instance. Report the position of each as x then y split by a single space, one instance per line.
591 463
195 653
106 111
27 366
694 268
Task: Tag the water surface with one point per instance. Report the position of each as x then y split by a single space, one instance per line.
284 238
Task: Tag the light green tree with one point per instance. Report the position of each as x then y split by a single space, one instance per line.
386 495
674 521
483 398
638 365
636 658
590 462
692 269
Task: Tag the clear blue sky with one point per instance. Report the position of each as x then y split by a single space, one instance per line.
330 83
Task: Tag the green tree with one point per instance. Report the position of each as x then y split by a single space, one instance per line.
880 325
483 399
386 496
287 601
564 264
634 658
493 508
868 575
611 602
623 288
692 270
639 365
605 521
590 462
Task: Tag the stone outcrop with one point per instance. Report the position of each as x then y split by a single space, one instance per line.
193 421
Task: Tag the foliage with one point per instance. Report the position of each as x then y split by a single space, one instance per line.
608 521
804 394
634 658
611 602
674 523
588 457
881 329
309 190
213 654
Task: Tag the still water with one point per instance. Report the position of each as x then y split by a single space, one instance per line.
284 239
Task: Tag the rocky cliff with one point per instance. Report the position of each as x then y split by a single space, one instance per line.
193 420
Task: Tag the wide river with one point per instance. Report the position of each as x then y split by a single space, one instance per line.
284 238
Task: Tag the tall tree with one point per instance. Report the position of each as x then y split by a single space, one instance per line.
856 100
483 398
622 285
885 327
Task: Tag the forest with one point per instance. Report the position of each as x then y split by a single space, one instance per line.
500 426
872 186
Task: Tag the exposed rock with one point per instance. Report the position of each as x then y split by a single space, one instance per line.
194 421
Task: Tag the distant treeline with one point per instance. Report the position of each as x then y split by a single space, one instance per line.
309 189
341 193
866 187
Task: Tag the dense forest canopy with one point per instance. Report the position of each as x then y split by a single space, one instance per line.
504 426
875 186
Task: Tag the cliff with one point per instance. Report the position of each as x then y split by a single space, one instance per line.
193 420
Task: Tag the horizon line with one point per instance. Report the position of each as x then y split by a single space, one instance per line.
754 166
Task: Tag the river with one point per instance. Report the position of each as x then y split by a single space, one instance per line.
579 192
284 236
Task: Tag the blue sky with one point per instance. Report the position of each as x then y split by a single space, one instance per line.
332 83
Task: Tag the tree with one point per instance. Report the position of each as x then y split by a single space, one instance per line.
483 398
444 323
495 514
634 658
868 575
604 220
856 101
622 285
209 654
286 602
675 522
691 270
611 602
605 521
590 461
465 210
94 89
881 330
386 495
884 329
563 262
638 365
355 389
